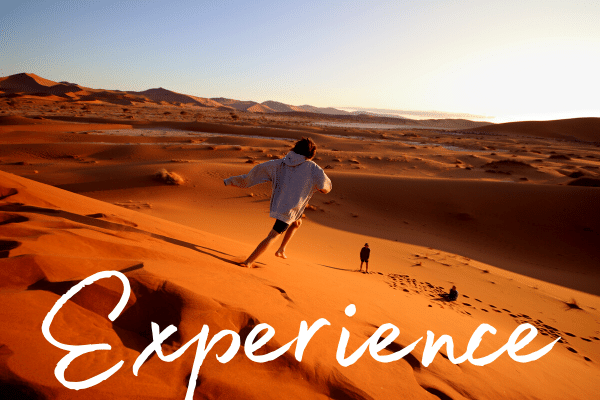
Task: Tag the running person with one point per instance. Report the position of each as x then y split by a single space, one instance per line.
294 179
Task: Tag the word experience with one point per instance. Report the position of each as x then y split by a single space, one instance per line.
376 343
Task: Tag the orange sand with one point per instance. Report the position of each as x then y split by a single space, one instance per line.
498 220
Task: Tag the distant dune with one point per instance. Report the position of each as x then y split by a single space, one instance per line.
586 129
324 110
280 107
161 94
31 83
25 82
260 108
240 105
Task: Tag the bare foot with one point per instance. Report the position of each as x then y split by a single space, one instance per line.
246 264
280 254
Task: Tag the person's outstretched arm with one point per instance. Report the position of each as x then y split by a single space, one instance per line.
322 181
259 174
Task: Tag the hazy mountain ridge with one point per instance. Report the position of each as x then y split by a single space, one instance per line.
31 84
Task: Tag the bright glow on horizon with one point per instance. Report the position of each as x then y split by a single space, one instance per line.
510 60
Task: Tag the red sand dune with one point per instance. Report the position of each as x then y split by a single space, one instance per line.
188 278
586 129
520 244
161 94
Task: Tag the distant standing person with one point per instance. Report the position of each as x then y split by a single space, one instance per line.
294 179
365 252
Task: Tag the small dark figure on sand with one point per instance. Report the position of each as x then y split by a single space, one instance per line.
452 296
365 252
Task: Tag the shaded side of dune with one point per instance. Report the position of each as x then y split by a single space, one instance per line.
578 129
528 229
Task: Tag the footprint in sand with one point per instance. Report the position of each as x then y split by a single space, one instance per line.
6 219
6 246
283 293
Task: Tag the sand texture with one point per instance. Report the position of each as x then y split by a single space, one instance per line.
508 213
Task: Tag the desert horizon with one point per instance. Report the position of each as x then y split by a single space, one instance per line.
25 82
33 84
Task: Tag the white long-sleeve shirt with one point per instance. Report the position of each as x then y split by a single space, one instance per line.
294 180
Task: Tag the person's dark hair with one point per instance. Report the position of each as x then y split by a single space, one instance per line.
305 147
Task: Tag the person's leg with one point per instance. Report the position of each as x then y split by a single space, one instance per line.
366 265
361 263
286 239
261 248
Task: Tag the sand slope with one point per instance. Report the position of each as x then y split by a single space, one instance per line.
498 216
586 129
51 239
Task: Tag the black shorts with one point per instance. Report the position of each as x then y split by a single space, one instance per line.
280 226
362 260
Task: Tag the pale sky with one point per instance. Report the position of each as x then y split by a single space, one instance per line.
512 60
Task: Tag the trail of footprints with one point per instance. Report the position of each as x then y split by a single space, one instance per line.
411 285
397 282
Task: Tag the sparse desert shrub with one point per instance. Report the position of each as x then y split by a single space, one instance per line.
170 178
